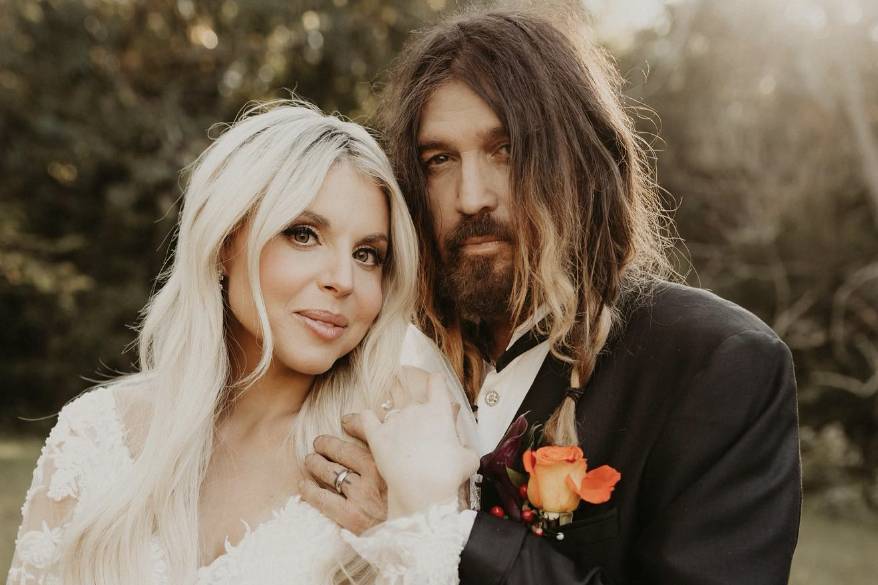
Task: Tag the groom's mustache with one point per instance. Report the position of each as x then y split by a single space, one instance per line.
475 227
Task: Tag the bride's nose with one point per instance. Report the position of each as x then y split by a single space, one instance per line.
337 277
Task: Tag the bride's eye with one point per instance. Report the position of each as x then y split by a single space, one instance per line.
301 234
368 256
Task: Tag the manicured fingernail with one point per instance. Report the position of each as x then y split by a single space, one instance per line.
346 418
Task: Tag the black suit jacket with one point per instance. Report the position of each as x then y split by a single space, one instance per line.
694 402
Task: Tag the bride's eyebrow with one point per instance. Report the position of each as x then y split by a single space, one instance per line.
373 239
313 218
321 221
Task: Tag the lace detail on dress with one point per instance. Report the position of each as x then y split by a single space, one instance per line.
422 549
84 454
297 545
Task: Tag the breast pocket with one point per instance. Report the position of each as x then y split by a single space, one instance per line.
582 535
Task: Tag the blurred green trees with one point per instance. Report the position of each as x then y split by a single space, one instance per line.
769 128
102 103
768 149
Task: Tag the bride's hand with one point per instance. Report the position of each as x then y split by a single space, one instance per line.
418 452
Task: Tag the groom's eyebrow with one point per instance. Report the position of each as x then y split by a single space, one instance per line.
494 134
432 145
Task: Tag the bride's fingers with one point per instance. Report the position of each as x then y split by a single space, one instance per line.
436 391
399 396
414 381
353 426
370 424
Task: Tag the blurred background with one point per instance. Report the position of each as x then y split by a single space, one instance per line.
763 115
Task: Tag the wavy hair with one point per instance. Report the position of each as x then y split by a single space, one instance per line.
265 169
591 230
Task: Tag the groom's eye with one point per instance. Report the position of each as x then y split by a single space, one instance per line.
503 151
436 160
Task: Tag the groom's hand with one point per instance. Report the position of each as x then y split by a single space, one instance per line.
363 502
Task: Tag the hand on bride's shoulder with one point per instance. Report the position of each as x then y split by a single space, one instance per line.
416 446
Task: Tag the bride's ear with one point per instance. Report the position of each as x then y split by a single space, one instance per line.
231 249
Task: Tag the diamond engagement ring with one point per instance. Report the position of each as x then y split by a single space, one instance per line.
390 412
340 478
387 405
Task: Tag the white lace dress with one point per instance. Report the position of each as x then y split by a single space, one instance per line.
86 455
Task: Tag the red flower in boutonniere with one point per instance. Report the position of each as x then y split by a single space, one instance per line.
559 479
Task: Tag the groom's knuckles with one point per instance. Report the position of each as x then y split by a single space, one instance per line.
327 502
355 519
320 468
324 443
345 453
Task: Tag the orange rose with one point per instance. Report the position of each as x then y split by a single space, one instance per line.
559 479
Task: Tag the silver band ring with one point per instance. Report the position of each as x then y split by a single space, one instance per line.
340 478
387 405
390 412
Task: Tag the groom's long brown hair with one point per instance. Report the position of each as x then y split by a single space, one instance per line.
589 225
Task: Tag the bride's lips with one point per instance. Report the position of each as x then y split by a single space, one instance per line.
328 326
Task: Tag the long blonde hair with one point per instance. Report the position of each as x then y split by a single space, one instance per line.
265 168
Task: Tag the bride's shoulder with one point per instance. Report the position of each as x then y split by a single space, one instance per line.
90 410
118 412
134 400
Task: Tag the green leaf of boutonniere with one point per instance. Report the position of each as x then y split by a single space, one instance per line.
516 477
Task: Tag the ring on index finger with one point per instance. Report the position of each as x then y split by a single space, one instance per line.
341 477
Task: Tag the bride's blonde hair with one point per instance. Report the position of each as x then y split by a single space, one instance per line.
265 169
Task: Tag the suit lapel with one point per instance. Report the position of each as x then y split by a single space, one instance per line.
546 392
539 403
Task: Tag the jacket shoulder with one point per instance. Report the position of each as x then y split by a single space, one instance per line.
677 318
693 312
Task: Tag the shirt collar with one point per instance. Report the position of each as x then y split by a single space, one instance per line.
528 324
524 338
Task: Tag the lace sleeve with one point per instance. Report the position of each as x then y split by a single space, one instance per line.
421 549
72 453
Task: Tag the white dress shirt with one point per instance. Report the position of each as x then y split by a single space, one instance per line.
503 392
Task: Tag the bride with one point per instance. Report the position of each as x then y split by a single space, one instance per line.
284 308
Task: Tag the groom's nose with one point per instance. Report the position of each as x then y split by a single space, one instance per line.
475 192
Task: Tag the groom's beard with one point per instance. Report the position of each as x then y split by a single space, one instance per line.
480 285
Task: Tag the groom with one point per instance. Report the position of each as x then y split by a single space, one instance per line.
543 269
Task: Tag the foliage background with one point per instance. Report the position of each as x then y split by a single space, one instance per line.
764 120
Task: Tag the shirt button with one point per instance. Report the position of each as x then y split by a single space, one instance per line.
492 398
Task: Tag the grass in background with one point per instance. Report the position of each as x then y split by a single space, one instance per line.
830 550
17 460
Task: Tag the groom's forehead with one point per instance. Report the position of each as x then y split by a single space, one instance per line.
454 110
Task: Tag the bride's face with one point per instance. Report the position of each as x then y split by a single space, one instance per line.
321 277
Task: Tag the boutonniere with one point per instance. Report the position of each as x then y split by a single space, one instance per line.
555 479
